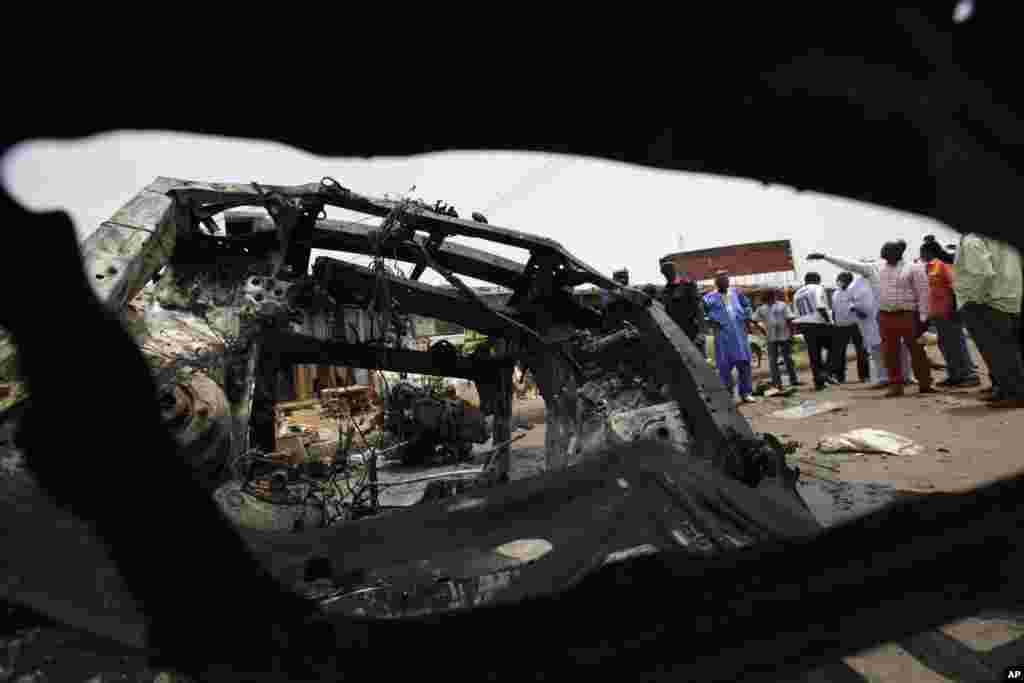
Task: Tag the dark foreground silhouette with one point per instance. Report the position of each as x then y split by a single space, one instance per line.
918 135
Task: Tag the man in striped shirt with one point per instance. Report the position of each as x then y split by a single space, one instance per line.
902 315
872 277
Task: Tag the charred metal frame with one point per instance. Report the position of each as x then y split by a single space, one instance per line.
164 225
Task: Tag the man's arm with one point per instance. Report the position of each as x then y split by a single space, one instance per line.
866 270
757 318
699 310
790 317
710 313
822 302
919 283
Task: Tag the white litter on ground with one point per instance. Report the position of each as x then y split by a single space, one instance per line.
809 408
869 441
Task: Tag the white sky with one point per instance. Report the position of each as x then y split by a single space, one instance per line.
610 215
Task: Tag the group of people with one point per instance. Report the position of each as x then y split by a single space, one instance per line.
881 308
980 288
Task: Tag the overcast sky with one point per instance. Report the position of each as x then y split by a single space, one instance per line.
608 214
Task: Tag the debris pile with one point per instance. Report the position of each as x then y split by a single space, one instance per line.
343 402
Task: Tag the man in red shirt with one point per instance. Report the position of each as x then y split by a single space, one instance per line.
942 313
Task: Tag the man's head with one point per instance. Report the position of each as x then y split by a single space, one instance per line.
668 269
722 280
621 276
844 279
812 279
892 252
930 250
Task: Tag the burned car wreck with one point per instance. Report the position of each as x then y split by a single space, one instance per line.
256 278
607 377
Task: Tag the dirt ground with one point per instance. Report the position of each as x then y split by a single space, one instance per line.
966 444
965 441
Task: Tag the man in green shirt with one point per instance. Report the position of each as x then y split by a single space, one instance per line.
989 282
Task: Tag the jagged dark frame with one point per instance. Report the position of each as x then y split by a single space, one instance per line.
939 145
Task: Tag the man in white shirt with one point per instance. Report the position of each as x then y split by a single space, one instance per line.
815 324
777 318
846 331
864 307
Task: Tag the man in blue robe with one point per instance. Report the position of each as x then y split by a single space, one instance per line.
729 313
